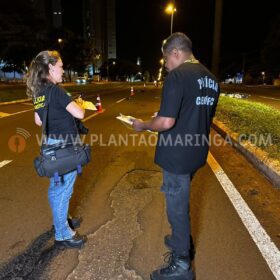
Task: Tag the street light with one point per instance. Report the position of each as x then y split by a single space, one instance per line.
60 43
170 9
108 67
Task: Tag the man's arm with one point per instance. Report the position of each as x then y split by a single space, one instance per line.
156 124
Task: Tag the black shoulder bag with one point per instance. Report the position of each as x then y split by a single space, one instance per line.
59 159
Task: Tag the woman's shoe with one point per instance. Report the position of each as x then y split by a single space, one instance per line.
77 241
74 222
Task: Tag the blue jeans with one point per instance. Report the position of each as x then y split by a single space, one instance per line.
177 195
59 196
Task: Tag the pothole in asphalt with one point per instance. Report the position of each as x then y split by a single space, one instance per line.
107 250
143 179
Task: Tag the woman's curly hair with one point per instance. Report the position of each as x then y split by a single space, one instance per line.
38 72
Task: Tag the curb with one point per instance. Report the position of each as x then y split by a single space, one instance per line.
15 101
267 166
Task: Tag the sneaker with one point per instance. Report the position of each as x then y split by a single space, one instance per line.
77 241
168 244
178 268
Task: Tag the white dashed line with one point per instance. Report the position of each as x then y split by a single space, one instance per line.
121 100
268 249
93 115
277 99
4 115
4 162
21 112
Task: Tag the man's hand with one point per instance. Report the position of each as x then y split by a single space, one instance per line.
138 125
157 124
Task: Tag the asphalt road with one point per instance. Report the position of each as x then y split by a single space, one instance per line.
122 208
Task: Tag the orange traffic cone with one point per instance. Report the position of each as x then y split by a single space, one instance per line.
131 91
98 104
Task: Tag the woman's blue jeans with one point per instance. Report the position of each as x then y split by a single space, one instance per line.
59 196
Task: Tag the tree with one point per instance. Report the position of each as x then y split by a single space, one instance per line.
121 68
147 76
75 51
20 33
270 52
76 54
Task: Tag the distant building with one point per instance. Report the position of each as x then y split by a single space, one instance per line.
99 19
56 13
94 20
111 29
50 11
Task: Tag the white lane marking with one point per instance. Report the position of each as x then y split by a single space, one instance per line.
277 99
8 115
268 249
21 112
14 102
91 116
119 101
4 162
3 115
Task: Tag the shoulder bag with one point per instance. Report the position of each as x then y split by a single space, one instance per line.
59 159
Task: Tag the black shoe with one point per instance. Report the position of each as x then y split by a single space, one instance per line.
168 244
77 241
74 222
178 268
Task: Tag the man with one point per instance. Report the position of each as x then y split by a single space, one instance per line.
189 98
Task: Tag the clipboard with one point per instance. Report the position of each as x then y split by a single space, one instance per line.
128 120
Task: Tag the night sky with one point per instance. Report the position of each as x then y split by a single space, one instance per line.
143 25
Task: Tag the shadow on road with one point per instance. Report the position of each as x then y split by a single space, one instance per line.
32 263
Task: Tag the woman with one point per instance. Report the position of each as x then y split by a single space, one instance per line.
44 75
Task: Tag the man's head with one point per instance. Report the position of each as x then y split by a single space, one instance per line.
176 49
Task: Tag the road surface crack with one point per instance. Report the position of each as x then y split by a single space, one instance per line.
107 251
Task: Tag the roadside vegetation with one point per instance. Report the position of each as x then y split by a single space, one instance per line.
10 93
252 121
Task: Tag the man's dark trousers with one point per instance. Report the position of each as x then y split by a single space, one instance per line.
177 194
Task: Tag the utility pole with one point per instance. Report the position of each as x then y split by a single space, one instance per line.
217 37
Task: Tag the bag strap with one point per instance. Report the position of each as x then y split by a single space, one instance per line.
45 116
78 134
45 119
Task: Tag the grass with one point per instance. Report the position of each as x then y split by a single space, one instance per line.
10 93
256 122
